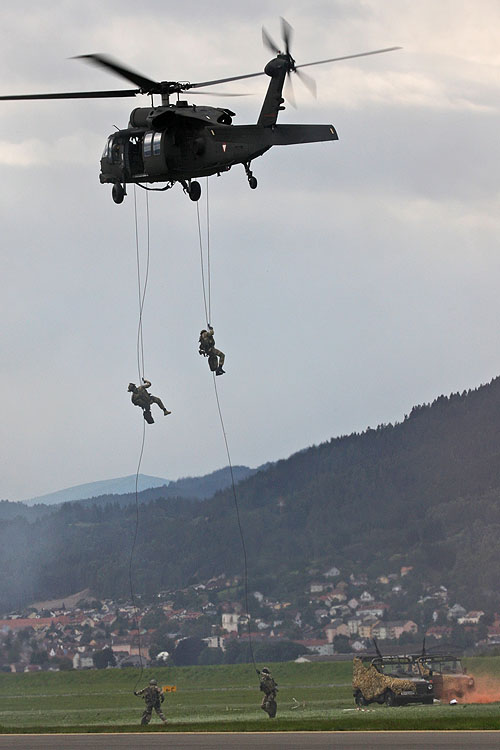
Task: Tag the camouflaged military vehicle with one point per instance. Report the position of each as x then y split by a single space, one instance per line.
393 680
448 676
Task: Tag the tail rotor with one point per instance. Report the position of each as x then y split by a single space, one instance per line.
286 35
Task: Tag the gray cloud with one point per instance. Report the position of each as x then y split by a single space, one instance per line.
359 279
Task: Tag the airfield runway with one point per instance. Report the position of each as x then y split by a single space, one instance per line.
261 741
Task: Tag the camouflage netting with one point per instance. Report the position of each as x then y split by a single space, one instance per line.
373 684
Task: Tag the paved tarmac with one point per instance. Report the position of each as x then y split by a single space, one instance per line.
261 741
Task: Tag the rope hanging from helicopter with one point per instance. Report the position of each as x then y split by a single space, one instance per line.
207 303
141 287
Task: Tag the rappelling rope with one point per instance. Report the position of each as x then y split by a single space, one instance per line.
141 289
202 265
207 284
240 528
130 578
208 253
140 367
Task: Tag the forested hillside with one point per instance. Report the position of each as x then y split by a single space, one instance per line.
424 492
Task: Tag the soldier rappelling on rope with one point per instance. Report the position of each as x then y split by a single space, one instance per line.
141 397
207 349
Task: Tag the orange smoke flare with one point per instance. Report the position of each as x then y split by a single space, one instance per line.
486 690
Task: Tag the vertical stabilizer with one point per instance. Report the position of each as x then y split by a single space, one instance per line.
273 101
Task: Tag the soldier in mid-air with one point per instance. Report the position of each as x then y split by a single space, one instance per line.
141 397
207 348
153 698
269 687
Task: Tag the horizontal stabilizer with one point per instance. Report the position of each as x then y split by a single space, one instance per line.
262 136
287 134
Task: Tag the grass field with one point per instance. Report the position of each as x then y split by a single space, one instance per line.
311 696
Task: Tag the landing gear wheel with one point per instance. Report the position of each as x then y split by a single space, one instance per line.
194 190
252 181
118 193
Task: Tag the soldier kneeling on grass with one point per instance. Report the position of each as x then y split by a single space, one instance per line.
269 687
153 698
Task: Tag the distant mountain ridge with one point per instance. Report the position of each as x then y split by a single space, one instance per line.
122 489
424 492
193 488
118 486
188 488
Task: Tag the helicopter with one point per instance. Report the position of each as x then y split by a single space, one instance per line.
178 142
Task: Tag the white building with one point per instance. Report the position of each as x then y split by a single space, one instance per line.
230 622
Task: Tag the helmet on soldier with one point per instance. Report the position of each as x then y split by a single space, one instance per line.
153 682
131 387
265 670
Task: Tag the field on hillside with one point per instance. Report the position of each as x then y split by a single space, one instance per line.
311 696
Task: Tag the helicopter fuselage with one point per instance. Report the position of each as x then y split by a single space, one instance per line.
179 142
176 143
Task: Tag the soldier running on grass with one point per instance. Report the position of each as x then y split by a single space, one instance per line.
269 687
153 698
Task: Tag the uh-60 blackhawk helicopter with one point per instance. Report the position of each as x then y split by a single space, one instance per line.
178 142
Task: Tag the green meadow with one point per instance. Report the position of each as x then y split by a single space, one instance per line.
218 698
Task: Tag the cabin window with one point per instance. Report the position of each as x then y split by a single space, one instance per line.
116 152
157 144
148 140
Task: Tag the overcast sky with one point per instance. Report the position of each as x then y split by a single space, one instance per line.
359 279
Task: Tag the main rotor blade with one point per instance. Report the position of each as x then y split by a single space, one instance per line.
188 86
304 65
145 84
269 42
349 57
74 95
286 32
214 93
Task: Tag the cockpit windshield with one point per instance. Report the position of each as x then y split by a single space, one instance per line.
106 154
113 150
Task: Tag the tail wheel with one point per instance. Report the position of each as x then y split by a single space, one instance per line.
252 181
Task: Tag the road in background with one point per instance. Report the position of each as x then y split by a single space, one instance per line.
262 741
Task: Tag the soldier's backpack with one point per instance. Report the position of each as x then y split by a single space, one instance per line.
213 362
148 416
